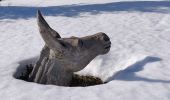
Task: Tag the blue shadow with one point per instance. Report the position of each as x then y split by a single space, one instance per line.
128 74
15 12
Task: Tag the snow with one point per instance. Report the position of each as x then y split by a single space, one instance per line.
136 68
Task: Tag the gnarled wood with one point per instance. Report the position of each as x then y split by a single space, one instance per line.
61 57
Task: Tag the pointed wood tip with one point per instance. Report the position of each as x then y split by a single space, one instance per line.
39 15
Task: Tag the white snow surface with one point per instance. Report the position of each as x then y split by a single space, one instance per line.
136 68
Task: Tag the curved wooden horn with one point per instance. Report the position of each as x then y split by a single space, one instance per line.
48 34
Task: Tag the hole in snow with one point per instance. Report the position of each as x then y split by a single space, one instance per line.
26 67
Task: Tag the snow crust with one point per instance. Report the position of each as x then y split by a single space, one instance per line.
136 68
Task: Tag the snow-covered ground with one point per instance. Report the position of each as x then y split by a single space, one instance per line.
136 68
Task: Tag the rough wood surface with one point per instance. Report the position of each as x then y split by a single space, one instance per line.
61 57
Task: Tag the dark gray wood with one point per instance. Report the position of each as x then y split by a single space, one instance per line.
61 57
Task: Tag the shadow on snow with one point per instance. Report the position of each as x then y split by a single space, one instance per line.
128 74
15 12
22 66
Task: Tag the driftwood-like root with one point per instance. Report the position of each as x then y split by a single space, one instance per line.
62 57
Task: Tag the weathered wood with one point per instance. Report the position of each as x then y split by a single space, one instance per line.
61 57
